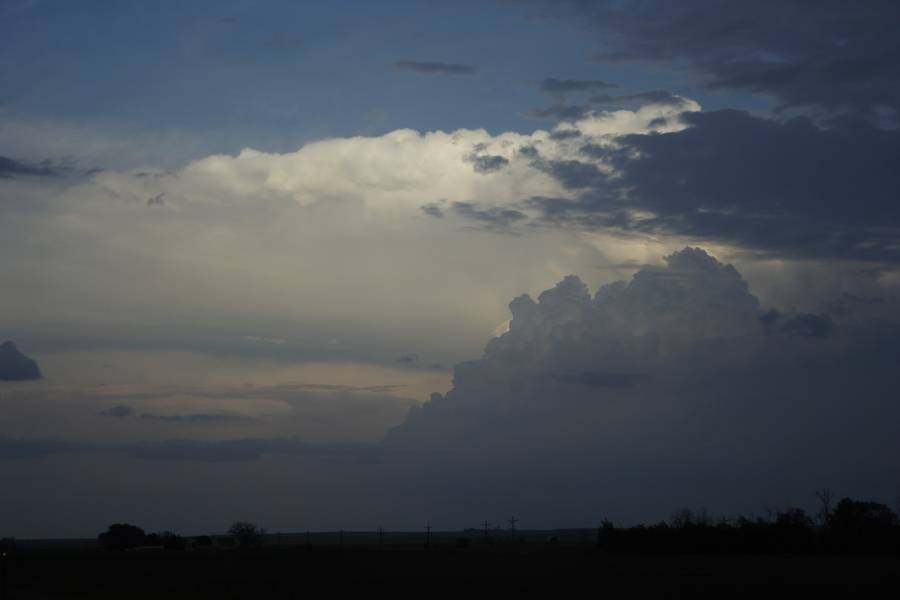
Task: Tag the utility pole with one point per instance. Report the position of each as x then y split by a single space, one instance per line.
427 535
380 537
484 528
307 539
512 528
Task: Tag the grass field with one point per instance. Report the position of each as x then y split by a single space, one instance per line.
292 572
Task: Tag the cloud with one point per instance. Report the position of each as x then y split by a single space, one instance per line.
487 163
565 134
602 379
672 388
178 450
408 359
659 97
119 411
669 386
15 366
784 186
197 418
561 112
433 209
844 56
10 167
635 183
12 448
435 68
491 219
802 324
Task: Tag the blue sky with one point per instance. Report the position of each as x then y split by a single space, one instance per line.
278 74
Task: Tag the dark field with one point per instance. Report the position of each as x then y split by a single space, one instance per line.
292 572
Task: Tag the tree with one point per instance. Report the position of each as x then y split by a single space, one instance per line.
246 534
826 498
122 536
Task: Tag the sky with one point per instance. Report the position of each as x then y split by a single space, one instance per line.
355 264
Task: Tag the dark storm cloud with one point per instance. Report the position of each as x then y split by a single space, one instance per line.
10 167
218 451
576 175
564 86
499 220
831 54
669 385
601 379
784 186
800 324
435 68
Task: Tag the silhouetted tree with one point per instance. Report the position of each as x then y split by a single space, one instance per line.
793 530
826 498
246 534
605 533
172 541
122 536
862 526
793 518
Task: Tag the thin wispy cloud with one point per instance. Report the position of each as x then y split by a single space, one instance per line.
434 68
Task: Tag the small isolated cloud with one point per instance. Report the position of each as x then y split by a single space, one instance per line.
435 68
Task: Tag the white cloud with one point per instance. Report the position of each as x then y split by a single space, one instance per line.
326 248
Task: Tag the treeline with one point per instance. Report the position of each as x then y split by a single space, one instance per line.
124 536
851 526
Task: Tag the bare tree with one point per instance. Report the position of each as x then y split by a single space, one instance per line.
826 499
246 534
